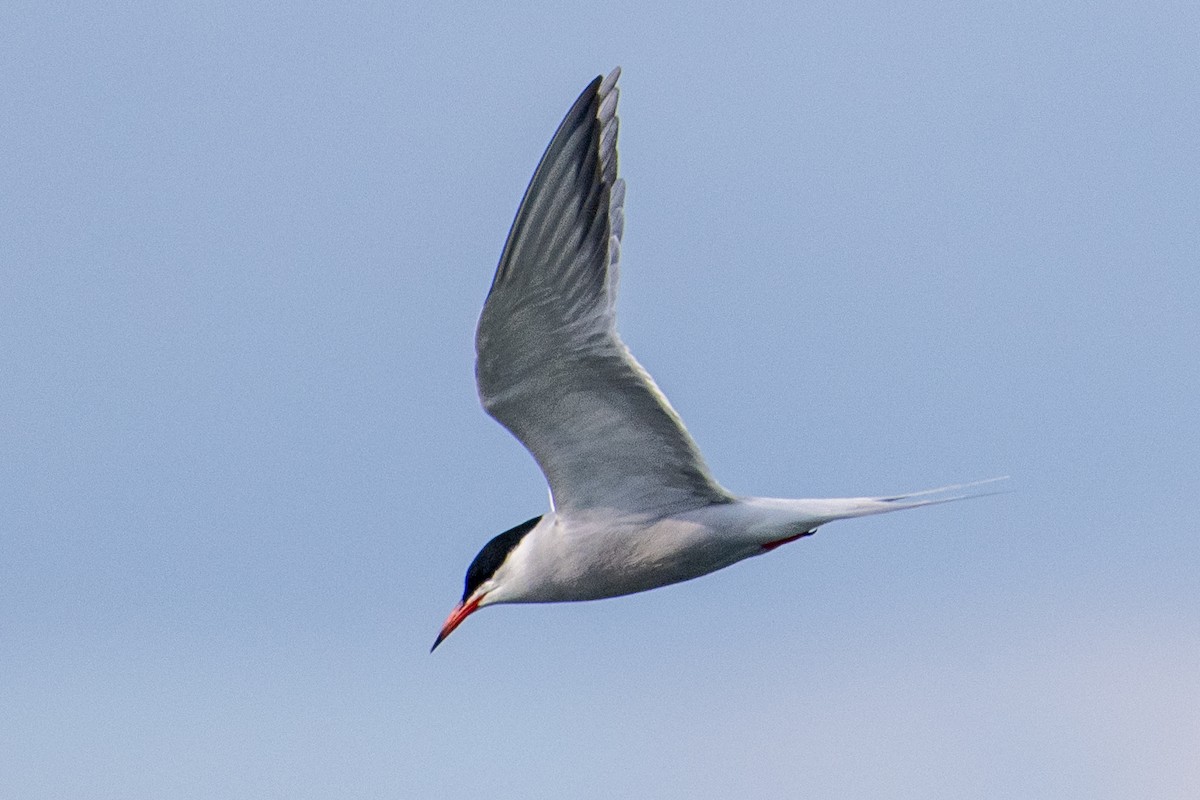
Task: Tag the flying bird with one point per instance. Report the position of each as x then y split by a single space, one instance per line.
633 505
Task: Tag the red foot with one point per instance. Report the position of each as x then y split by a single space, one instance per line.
780 542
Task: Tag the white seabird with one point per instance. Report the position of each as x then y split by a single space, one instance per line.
633 505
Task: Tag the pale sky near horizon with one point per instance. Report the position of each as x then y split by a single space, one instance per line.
868 249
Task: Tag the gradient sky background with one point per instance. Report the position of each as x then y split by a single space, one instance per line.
870 248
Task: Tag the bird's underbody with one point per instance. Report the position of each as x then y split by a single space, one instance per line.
634 505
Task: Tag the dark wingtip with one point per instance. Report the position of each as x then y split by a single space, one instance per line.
441 638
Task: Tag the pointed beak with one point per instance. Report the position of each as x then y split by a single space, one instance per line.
460 612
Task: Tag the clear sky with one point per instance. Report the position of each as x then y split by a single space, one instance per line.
869 249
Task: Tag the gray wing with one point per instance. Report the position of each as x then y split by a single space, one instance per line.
550 366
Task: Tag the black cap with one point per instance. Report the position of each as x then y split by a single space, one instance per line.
493 555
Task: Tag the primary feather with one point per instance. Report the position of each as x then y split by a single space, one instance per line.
550 365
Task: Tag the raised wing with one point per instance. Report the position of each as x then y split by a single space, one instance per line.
550 365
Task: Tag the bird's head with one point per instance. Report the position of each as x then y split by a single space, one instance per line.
485 577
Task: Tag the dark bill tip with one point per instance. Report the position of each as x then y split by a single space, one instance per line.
460 612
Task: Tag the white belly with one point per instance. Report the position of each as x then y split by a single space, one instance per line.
589 563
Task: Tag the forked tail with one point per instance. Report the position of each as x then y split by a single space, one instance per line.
846 507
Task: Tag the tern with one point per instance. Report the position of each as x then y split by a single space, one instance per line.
633 505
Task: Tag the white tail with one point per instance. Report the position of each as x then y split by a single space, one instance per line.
846 507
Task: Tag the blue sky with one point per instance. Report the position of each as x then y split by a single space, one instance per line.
868 249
